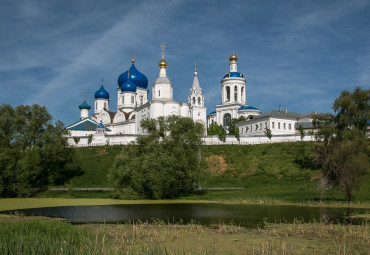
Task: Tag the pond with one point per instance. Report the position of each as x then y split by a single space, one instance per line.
249 216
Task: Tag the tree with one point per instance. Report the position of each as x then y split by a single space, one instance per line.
34 152
76 139
162 164
268 133
89 139
343 154
218 130
301 131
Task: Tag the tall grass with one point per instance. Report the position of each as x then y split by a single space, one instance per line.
24 235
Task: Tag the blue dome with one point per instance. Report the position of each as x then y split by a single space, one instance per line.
101 125
234 74
247 108
101 93
128 86
85 105
138 78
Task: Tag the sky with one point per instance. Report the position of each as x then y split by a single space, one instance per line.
297 54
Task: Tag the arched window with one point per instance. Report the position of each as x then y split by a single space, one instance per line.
227 119
199 100
132 99
141 100
235 93
159 93
227 94
242 93
193 100
123 99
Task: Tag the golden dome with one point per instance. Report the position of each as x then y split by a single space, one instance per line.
233 57
162 63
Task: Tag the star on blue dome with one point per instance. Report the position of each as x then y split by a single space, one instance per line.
101 93
234 74
101 125
128 86
85 105
138 78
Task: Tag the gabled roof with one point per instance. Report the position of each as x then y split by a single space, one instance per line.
283 114
84 125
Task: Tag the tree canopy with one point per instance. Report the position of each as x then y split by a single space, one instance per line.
344 155
33 151
162 164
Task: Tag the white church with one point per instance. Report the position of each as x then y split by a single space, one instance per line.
133 105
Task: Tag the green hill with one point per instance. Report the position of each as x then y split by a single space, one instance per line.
269 172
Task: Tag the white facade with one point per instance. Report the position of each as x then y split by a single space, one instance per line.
279 122
233 94
133 105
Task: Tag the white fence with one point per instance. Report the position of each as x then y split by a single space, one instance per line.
208 140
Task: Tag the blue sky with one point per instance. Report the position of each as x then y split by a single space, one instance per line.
297 54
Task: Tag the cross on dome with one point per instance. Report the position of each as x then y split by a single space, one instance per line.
162 49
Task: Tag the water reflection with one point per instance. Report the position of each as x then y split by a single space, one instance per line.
207 214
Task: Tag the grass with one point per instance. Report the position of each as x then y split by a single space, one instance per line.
32 235
24 203
267 172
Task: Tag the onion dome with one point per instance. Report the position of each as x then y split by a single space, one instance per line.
138 78
128 86
233 57
162 63
101 93
84 105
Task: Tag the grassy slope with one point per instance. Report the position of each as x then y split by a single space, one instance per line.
268 171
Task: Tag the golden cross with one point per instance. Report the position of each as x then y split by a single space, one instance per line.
133 57
102 81
85 94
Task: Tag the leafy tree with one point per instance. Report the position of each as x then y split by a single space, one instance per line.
301 131
76 139
89 139
33 152
218 130
268 133
344 155
163 163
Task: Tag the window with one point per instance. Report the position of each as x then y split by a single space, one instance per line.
96 106
159 93
261 126
242 130
105 105
198 100
284 126
132 99
273 124
227 94
193 100
227 119
235 93
278 125
242 93
198 113
265 125
290 126
141 100
123 99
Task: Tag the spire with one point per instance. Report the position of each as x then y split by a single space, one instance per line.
162 63
196 87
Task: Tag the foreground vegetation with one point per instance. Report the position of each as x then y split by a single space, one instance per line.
29 235
272 173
